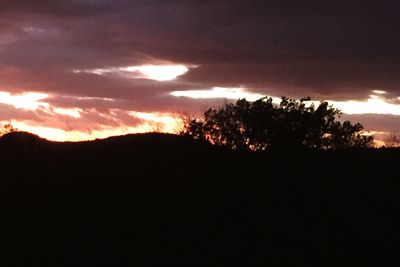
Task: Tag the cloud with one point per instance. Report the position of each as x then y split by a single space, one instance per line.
373 105
36 113
218 92
28 100
376 122
340 51
309 49
152 72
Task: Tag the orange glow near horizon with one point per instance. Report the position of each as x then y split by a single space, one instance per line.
60 135
77 124
163 122
152 122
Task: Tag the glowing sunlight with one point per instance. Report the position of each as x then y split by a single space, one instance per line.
72 112
219 92
151 72
28 100
158 72
163 122
61 135
373 105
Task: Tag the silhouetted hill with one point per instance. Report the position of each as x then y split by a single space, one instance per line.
149 140
161 200
20 139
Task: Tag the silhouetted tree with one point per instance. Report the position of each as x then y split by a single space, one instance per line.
261 124
7 128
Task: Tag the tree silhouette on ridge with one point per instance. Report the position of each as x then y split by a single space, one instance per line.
262 125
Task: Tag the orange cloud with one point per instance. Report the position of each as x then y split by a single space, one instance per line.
36 114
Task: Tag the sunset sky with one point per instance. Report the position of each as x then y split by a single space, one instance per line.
84 69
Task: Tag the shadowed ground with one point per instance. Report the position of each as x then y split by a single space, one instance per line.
159 200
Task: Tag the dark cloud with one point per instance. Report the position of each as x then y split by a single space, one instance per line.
377 122
9 113
311 45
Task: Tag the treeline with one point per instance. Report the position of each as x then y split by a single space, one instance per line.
262 125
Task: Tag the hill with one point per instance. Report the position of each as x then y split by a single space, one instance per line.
159 200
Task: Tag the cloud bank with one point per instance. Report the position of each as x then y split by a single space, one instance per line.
115 57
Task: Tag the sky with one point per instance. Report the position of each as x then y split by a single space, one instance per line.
84 69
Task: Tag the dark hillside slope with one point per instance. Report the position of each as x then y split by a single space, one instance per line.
160 200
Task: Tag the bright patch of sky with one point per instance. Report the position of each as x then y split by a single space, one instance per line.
28 100
219 92
151 72
375 104
152 121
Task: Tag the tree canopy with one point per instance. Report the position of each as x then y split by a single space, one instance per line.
7 128
261 125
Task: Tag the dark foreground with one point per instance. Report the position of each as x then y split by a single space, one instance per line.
160 200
